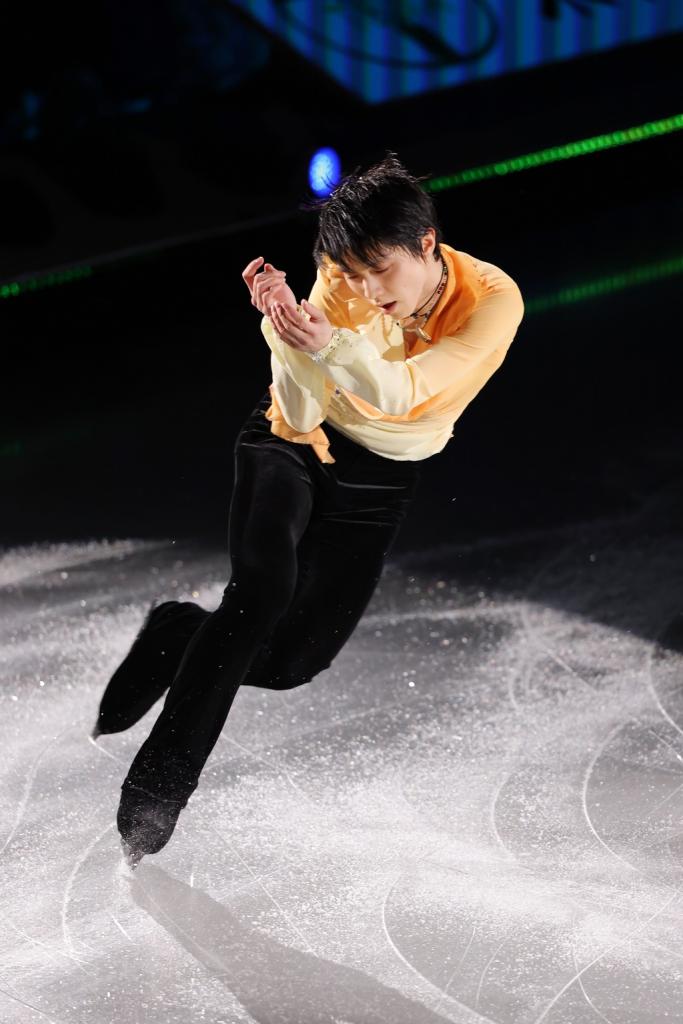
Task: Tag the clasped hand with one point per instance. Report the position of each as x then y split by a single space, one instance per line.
275 299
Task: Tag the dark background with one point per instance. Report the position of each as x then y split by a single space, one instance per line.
165 173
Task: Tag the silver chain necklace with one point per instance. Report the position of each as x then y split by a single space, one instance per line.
425 316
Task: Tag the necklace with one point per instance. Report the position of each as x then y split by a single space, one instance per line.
424 317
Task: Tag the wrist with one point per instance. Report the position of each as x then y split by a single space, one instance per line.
321 354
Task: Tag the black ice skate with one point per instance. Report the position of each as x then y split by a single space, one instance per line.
145 821
148 669
158 785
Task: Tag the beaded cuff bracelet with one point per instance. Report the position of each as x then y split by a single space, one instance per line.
328 349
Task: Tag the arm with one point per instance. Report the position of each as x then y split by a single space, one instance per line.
352 361
299 385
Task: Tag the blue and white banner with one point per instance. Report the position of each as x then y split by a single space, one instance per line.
385 49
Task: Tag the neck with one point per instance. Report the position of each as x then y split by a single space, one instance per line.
434 271
432 281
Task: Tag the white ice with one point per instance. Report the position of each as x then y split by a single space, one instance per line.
474 815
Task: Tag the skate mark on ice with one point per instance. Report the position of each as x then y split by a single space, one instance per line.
583 988
488 963
105 753
258 880
29 1006
52 953
440 993
584 789
526 600
69 884
270 896
492 817
662 739
121 928
597 959
274 764
21 808
459 964
216 962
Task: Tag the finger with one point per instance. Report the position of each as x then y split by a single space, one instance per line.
295 328
279 320
278 324
264 281
252 265
250 270
275 316
281 315
262 284
289 311
292 315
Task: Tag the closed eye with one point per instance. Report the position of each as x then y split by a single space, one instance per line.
353 277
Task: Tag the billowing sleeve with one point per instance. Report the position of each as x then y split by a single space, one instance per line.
395 387
299 384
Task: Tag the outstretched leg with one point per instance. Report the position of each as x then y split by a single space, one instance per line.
340 558
270 508
147 670
334 584
305 563
339 562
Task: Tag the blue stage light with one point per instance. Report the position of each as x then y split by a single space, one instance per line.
324 171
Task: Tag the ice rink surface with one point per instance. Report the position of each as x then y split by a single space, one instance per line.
474 815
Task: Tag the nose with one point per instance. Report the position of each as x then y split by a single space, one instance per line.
367 292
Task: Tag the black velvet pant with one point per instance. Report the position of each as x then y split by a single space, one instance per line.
307 542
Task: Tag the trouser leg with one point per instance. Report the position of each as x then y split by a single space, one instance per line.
340 557
270 509
148 668
340 565
307 544
335 582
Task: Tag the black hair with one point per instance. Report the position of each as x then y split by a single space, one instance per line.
384 207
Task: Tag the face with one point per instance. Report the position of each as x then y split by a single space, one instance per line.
402 282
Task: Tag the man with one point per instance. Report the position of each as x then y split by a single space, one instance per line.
400 332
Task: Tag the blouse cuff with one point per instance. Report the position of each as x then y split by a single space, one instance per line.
324 353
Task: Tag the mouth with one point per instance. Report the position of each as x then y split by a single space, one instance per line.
388 306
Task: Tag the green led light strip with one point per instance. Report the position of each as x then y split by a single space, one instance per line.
32 284
640 133
583 147
16 448
574 293
553 300
605 285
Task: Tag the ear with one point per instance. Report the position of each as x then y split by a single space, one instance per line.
428 243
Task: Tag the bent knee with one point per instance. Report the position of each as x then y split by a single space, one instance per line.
263 595
290 678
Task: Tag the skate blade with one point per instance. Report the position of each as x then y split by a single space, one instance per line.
132 857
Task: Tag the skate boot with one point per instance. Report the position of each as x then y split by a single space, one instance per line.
148 669
148 811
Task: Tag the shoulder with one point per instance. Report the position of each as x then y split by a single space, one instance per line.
492 276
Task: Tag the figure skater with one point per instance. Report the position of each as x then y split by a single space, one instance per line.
369 375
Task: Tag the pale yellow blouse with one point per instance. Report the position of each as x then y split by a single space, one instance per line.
398 402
